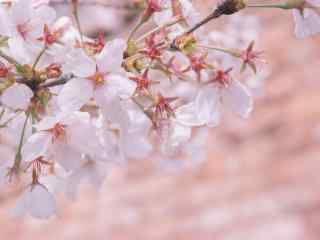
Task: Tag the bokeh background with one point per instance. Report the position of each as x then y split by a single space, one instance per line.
261 179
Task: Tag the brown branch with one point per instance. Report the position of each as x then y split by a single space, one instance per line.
60 81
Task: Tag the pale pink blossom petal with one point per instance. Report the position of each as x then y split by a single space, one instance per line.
37 202
207 104
36 146
307 24
75 94
111 57
238 99
17 97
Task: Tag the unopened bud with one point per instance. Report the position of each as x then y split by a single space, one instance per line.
228 7
53 71
185 43
3 70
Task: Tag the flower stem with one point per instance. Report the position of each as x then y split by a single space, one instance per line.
134 30
18 156
169 24
279 6
224 50
8 58
60 81
38 58
210 17
75 13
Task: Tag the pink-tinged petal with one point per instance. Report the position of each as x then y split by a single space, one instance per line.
44 15
78 135
92 172
67 157
36 146
207 105
238 99
37 3
117 87
81 64
120 86
179 135
21 12
4 22
19 50
43 204
17 96
307 24
188 116
41 16
163 17
111 57
22 205
46 123
37 201
75 94
139 150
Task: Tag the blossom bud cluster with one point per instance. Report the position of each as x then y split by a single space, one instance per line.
73 107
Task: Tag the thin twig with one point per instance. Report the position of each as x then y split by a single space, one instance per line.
61 81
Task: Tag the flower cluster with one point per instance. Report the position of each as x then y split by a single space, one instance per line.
72 107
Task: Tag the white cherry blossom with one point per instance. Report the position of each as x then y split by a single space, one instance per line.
307 19
64 139
36 201
228 94
17 97
97 78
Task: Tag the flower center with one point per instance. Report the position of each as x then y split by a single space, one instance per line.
97 78
58 131
222 77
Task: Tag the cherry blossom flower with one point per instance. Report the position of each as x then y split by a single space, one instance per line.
222 91
36 201
96 79
307 18
17 97
91 172
73 107
64 139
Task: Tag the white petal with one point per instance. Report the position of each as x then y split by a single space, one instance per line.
207 105
21 11
36 146
308 24
238 99
81 64
44 15
19 50
36 201
67 157
120 86
187 115
4 22
75 94
139 150
22 204
82 137
180 134
17 96
46 123
43 204
94 172
111 57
